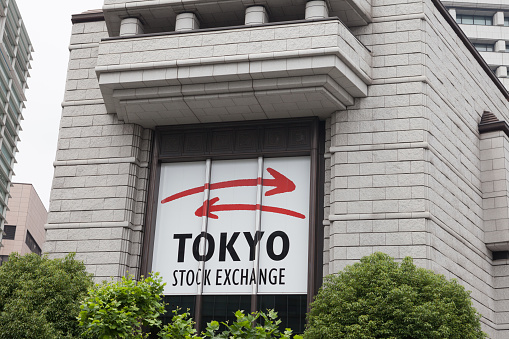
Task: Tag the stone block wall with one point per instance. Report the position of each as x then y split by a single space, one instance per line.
406 169
101 172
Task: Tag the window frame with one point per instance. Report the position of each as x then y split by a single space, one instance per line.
6 234
315 148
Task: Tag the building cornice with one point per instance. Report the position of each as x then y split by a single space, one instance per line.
90 16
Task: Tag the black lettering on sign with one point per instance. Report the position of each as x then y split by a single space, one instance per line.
218 276
234 275
182 244
252 243
206 280
227 277
270 245
190 277
273 276
175 281
223 246
182 277
243 277
281 276
210 245
253 277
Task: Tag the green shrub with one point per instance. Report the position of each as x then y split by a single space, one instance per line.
120 309
379 298
245 326
39 297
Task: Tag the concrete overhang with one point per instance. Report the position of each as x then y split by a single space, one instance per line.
310 68
159 15
480 4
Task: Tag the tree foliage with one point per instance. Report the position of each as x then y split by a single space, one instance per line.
246 326
120 309
380 298
39 297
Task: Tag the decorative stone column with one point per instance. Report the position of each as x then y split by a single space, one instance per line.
187 22
316 9
452 12
501 72
498 19
256 15
131 26
500 46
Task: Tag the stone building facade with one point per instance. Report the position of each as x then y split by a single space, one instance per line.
385 97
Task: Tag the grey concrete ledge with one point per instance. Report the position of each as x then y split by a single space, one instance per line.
421 16
379 147
81 46
89 225
131 160
82 102
236 59
399 80
379 216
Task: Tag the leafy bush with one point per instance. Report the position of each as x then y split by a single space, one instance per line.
39 297
379 298
120 309
245 326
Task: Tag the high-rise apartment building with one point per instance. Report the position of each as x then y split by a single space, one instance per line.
247 148
16 51
486 24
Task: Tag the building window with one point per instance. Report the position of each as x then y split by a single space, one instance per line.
474 20
484 47
247 195
10 232
3 258
506 21
32 244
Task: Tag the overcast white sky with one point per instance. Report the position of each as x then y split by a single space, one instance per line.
49 28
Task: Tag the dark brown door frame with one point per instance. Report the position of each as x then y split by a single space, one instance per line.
315 150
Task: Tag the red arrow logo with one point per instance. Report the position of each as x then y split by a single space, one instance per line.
201 211
280 183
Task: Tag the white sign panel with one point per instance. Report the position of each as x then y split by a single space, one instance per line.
233 227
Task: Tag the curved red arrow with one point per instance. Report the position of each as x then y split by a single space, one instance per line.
200 212
280 183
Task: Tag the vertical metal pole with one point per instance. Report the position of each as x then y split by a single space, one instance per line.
203 244
258 228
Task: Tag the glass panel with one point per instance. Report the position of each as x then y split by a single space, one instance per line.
3 258
223 307
32 244
467 20
6 153
284 246
3 181
291 309
479 20
480 47
233 226
176 226
10 232
183 302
